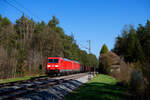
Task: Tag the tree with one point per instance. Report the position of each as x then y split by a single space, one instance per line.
134 47
104 49
128 45
53 23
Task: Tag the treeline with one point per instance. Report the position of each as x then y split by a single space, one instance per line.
133 46
25 46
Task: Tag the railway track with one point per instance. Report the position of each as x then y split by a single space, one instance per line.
18 89
23 81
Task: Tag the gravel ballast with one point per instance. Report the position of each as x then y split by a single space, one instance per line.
56 92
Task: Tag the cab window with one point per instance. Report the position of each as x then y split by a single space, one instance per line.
53 60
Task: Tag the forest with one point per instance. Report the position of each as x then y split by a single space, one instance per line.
133 46
26 44
129 60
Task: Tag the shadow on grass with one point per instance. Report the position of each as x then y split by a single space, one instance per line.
99 91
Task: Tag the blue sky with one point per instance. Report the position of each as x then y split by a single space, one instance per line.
100 21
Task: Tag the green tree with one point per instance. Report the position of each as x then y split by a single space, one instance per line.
53 23
104 49
134 48
128 45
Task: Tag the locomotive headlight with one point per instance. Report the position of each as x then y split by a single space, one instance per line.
56 65
48 65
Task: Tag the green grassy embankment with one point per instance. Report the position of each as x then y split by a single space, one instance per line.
101 87
19 79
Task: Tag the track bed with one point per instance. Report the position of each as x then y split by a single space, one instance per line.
19 89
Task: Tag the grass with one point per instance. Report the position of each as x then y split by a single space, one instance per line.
101 87
19 79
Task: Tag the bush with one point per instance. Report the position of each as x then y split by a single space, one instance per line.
137 82
114 66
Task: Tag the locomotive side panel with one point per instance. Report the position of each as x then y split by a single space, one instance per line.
62 65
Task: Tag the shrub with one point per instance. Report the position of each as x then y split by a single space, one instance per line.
114 66
137 82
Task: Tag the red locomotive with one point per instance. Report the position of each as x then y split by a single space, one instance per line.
57 65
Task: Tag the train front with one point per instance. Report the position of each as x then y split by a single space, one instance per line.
53 66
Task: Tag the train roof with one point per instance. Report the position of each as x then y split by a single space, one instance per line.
66 59
76 62
54 57
63 59
70 60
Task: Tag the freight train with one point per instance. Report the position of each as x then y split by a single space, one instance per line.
59 65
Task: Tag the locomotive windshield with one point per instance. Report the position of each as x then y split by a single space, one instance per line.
53 60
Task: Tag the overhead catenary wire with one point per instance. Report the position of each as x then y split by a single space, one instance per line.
33 14
13 6
19 10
